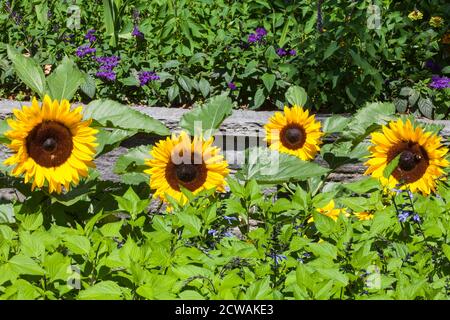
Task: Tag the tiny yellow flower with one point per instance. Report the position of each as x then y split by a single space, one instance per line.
436 22
364 215
330 211
415 15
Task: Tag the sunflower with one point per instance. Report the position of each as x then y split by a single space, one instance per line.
51 144
295 132
178 161
330 211
421 160
364 215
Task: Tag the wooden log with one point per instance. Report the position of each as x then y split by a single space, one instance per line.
243 129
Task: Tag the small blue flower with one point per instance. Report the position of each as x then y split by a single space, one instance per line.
212 232
278 258
229 219
416 218
403 216
228 234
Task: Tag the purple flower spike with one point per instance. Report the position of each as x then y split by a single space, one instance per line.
281 52
85 50
439 83
90 36
136 33
146 76
232 86
252 38
106 75
261 32
403 216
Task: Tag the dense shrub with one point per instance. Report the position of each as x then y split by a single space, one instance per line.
178 52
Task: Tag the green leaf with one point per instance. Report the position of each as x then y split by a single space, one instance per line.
392 165
105 290
173 92
330 50
191 295
3 128
259 98
323 249
446 250
324 224
7 213
111 138
426 107
269 80
133 160
25 265
364 185
204 86
88 86
115 115
185 83
131 203
209 116
28 71
78 244
267 166
335 123
296 95
64 82
368 119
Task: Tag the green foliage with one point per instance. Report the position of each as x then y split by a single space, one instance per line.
354 54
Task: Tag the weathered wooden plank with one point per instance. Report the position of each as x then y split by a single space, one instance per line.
243 129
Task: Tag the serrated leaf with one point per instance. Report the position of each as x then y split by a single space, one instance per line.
78 244
105 290
426 107
25 265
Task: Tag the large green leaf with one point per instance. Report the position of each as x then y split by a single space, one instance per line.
64 82
112 114
368 119
105 290
111 138
271 167
25 265
28 71
296 95
208 117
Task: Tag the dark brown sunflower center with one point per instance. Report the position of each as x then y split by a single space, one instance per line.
189 174
293 136
413 162
49 144
408 160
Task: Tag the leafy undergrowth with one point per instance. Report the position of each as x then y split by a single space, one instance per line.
244 245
